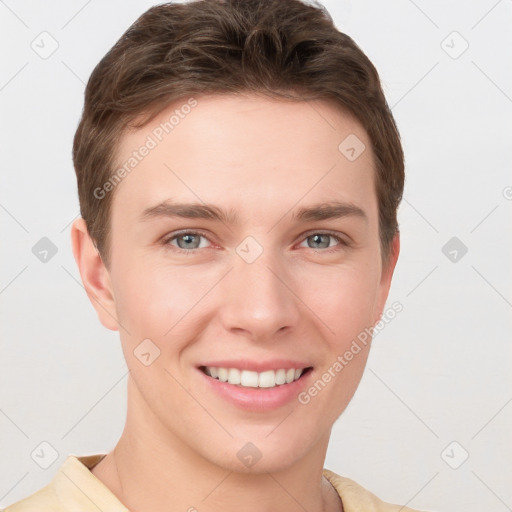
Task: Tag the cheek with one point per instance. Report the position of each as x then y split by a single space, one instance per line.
345 307
163 303
343 299
161 311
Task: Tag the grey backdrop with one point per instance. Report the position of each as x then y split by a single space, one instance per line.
430 423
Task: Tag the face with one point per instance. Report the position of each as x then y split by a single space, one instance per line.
245 246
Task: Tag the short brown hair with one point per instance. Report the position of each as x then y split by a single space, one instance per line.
280 48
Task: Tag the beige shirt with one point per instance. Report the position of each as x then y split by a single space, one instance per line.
75 489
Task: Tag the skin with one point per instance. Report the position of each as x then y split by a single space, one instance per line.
263 159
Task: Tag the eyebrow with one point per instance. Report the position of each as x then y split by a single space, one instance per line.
330 210
189 211
322 211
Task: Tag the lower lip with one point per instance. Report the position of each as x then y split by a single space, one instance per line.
258 399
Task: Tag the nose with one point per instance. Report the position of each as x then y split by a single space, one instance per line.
259 300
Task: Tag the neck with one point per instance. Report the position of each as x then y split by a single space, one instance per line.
150 468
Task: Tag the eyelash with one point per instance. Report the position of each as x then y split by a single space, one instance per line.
188 252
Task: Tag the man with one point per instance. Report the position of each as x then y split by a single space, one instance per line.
239 174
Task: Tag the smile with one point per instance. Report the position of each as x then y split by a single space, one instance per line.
253 379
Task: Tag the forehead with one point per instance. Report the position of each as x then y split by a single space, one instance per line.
248 150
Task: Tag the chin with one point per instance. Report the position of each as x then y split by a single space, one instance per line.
262 454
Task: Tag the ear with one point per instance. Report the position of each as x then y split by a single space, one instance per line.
94 274
386 276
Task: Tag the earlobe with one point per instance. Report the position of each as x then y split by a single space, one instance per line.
95 276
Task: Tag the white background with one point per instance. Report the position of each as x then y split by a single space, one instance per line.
440 372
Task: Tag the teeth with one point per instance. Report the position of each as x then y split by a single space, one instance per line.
234 376
250 379
280 377
223 374
267 379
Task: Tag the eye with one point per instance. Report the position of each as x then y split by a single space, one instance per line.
187 241
323 241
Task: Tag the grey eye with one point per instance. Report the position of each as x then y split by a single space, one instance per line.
319 241
188 241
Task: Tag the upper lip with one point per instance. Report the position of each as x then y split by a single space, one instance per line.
257 366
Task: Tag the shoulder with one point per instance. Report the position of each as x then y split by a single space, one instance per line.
73 487
40 501
356 498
